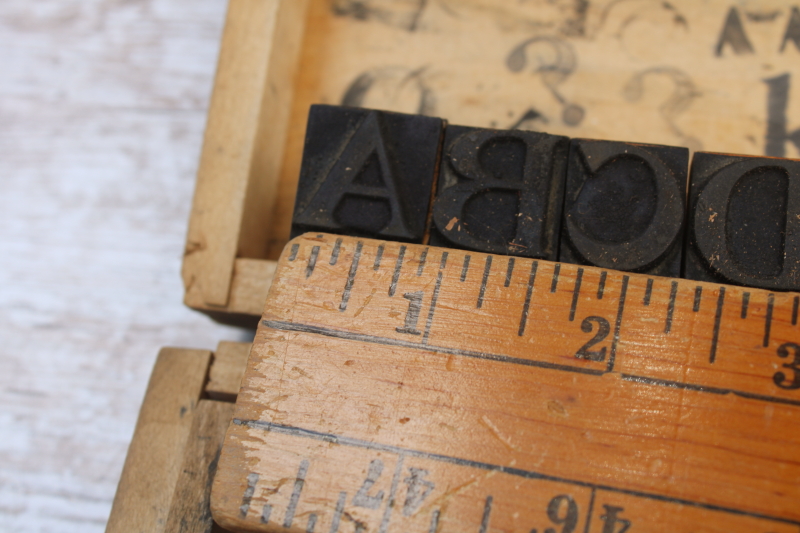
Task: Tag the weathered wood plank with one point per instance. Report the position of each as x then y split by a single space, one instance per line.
190 511
227 369
244 139
153 465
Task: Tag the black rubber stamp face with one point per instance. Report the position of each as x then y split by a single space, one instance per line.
743 225
624 206
367 173
500 192
756 227
501 159
365 212
630 182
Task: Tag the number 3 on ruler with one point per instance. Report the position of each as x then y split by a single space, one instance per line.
780 378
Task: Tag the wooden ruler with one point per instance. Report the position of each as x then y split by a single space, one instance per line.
408 388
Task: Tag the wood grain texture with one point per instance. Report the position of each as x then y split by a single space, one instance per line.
489 408
102 109
153 466
189 511
226 371
244 138
249 287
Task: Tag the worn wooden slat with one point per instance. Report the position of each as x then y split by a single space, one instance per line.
243 143
227 369
190 511
153 465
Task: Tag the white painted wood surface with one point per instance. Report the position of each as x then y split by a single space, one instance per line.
102 107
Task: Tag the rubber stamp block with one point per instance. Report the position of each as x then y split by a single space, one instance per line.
500 192
624 206
367 173
743 221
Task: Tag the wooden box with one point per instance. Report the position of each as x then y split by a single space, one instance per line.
712 75
166 481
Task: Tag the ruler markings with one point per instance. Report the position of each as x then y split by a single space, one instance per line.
618 323
335 252
362 497
351 276
247 498
556 271
556 274
412 315
397 266
487 513
589 511
266 513
698 295
373 339
711 390
601 286
717 323
526 306
337 514
434 298
465 268
434 522
351 442
387 513
422 259
509 271
768 320
312 261
575 293
484 280
648 292
673 293
630 377
293 253
295 498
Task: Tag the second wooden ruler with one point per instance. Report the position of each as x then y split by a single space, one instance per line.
408 388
